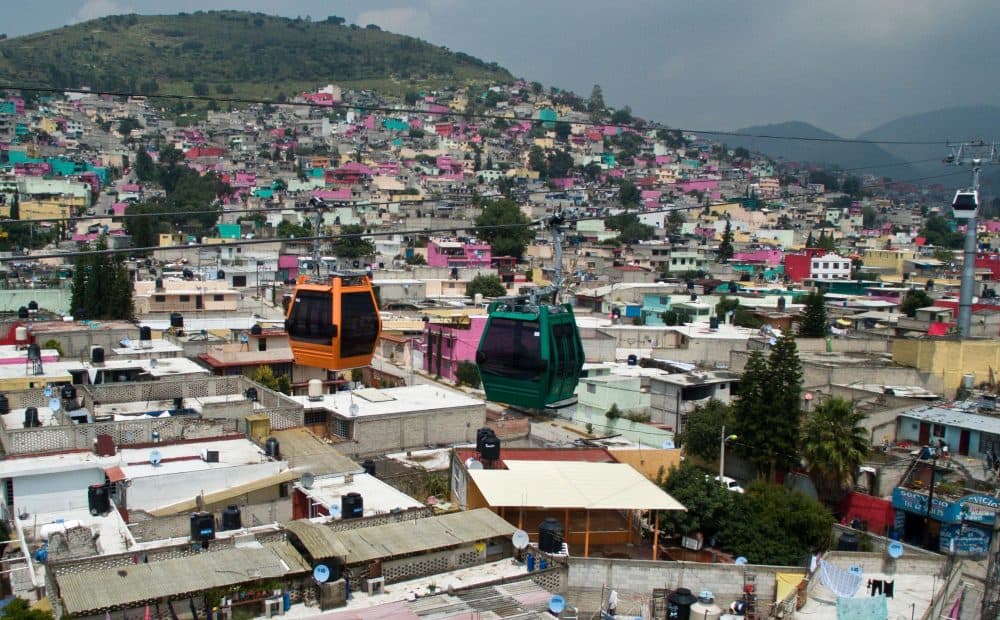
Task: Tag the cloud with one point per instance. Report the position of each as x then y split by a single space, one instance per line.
401 20
92 9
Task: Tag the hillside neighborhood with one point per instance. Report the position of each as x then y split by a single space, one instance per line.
778 410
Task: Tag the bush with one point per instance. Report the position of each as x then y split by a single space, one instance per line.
614 413
467 374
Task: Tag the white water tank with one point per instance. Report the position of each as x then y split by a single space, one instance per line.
968 380
21 333
705 608
51 528
315 389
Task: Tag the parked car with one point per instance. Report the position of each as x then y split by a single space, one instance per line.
730 484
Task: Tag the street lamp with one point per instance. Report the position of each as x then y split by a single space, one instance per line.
723 438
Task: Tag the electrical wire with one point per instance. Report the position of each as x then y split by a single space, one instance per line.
450 113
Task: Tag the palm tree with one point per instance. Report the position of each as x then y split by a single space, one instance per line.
834 444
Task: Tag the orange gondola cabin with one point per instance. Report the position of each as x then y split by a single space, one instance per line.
333 325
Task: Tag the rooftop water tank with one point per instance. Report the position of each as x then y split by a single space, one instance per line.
96 355
352 506
145 333
315 389
98 499
272 448
232 519
679 604
202 526
369 467
4 404
31 417
21 334
705 607
176 319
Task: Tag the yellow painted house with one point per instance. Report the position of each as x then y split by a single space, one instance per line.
892 260
949 360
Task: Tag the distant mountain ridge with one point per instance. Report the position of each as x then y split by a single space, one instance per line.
232 53
820 147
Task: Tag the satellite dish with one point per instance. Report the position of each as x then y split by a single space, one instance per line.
321 573
895 550
153 363
47 391
474 464
773 341
741 561
519 539
557 604
354 409
125 342
307 480
668 444
155 458
54 404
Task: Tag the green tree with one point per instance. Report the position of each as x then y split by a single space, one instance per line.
288 230
629 194
915 299
145 169
814 321
704 427
505 228
834 444
770 524
938 232
101 288
674 222
869 216
467 373
613 413
19 609
595 104
488 285
351 244
264 375
726 246
416 259
707 503
630 229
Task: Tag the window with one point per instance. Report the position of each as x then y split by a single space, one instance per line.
314 416
591 388
341 428
159 298
184 298
938 430
512 349
360 323
218 297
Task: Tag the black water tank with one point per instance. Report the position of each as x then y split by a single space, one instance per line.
251 394
98 499
352 506
231 518
550 535
159 284
145 333
272 448
256 330
262 344
679 604
33 305
848 541
68 392
481 434
97 355
31 417
4 405
22 312
34 352
781 303
220 275
633 359
202 526
176 319
713 322
369 467
187 273
491 448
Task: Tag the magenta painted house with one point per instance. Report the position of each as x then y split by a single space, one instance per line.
697 185
445 346
767 256
451 253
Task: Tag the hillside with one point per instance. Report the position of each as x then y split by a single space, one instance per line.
232 52
963 123
870 158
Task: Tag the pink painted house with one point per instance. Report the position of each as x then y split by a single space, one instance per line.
445 346
451 253
767 256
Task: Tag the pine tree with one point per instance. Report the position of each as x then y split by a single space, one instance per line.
809 240
726 247
814 321
784 403
101 287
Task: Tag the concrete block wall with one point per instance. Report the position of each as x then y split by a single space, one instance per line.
642 576
392 433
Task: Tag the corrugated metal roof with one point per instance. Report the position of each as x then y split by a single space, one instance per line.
396 539
215 497
90 592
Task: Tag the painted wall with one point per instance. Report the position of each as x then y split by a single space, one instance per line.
65 490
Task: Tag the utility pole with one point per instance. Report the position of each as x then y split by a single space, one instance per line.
965 207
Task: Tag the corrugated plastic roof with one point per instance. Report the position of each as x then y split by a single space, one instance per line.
396 539
565 484
90 592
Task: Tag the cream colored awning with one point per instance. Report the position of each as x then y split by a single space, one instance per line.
571 484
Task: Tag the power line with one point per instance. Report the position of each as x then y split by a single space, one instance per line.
477 115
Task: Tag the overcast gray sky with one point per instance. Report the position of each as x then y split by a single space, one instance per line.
846 66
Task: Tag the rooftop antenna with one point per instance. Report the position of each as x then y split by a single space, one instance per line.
965 207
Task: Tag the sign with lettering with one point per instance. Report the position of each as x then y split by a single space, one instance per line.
964 540
969 509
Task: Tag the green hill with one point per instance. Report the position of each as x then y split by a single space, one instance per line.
820 147
233 53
